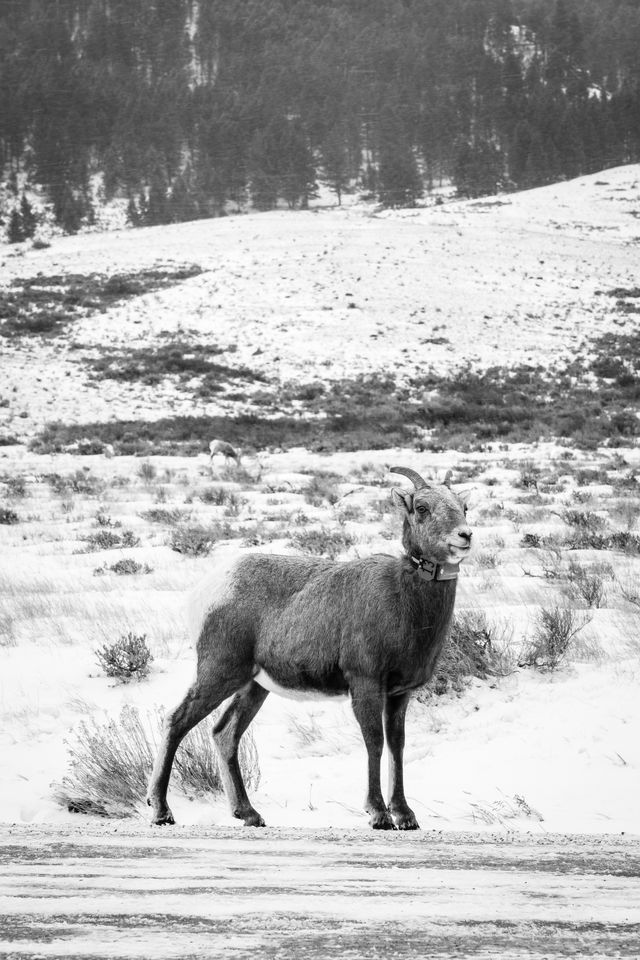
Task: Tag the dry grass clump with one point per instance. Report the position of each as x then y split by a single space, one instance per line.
322 541
8 516
110 764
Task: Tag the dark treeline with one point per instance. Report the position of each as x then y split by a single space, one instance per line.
186 105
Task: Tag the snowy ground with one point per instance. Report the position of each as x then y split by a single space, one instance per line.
500 281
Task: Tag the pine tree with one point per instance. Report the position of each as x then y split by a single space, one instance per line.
263 177
70 207
157 210
15 231
29 222
399 183
478 169
335 159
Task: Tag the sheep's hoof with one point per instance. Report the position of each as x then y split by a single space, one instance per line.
161 815
404 817
382 821
253 819
406 821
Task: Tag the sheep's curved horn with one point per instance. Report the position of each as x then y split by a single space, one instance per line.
418 482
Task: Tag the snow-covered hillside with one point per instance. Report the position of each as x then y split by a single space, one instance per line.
332 293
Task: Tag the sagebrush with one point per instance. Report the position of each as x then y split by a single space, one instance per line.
111 762
129 658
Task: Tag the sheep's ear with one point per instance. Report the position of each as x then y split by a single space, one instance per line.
403 499
448 477
466 495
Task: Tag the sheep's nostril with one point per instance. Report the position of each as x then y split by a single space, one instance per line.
465 535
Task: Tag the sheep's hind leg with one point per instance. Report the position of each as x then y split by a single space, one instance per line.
367 701
395 709
226 734
200 700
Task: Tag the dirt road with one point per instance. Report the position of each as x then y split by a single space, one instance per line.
105 890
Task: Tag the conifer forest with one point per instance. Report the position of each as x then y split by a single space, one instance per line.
191 108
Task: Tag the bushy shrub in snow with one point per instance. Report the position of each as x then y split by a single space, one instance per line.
110 764
107 540
125 567
322 489
472 650
129 658
196 540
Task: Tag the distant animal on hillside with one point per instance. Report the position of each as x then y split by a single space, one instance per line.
224 449
372 628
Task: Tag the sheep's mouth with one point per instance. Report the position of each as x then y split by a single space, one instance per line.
460 550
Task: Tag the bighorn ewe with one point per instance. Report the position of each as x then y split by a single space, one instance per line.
371 628
217 447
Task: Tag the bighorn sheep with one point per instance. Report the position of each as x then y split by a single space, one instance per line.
225 449
372 628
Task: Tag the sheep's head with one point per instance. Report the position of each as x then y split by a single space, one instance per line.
435 523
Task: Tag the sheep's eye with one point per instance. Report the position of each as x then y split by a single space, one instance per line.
422 509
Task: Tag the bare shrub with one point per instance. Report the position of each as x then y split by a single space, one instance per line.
81 482
585 520
196 540
627 511
554 635
8 516
125 567
107 540
529 477
129 658
147 471
110 764
217 496
630 591
531 540
104 520
168 516
323 488
16 487
586 583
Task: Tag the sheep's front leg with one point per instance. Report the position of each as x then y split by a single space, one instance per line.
367 700
395 710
